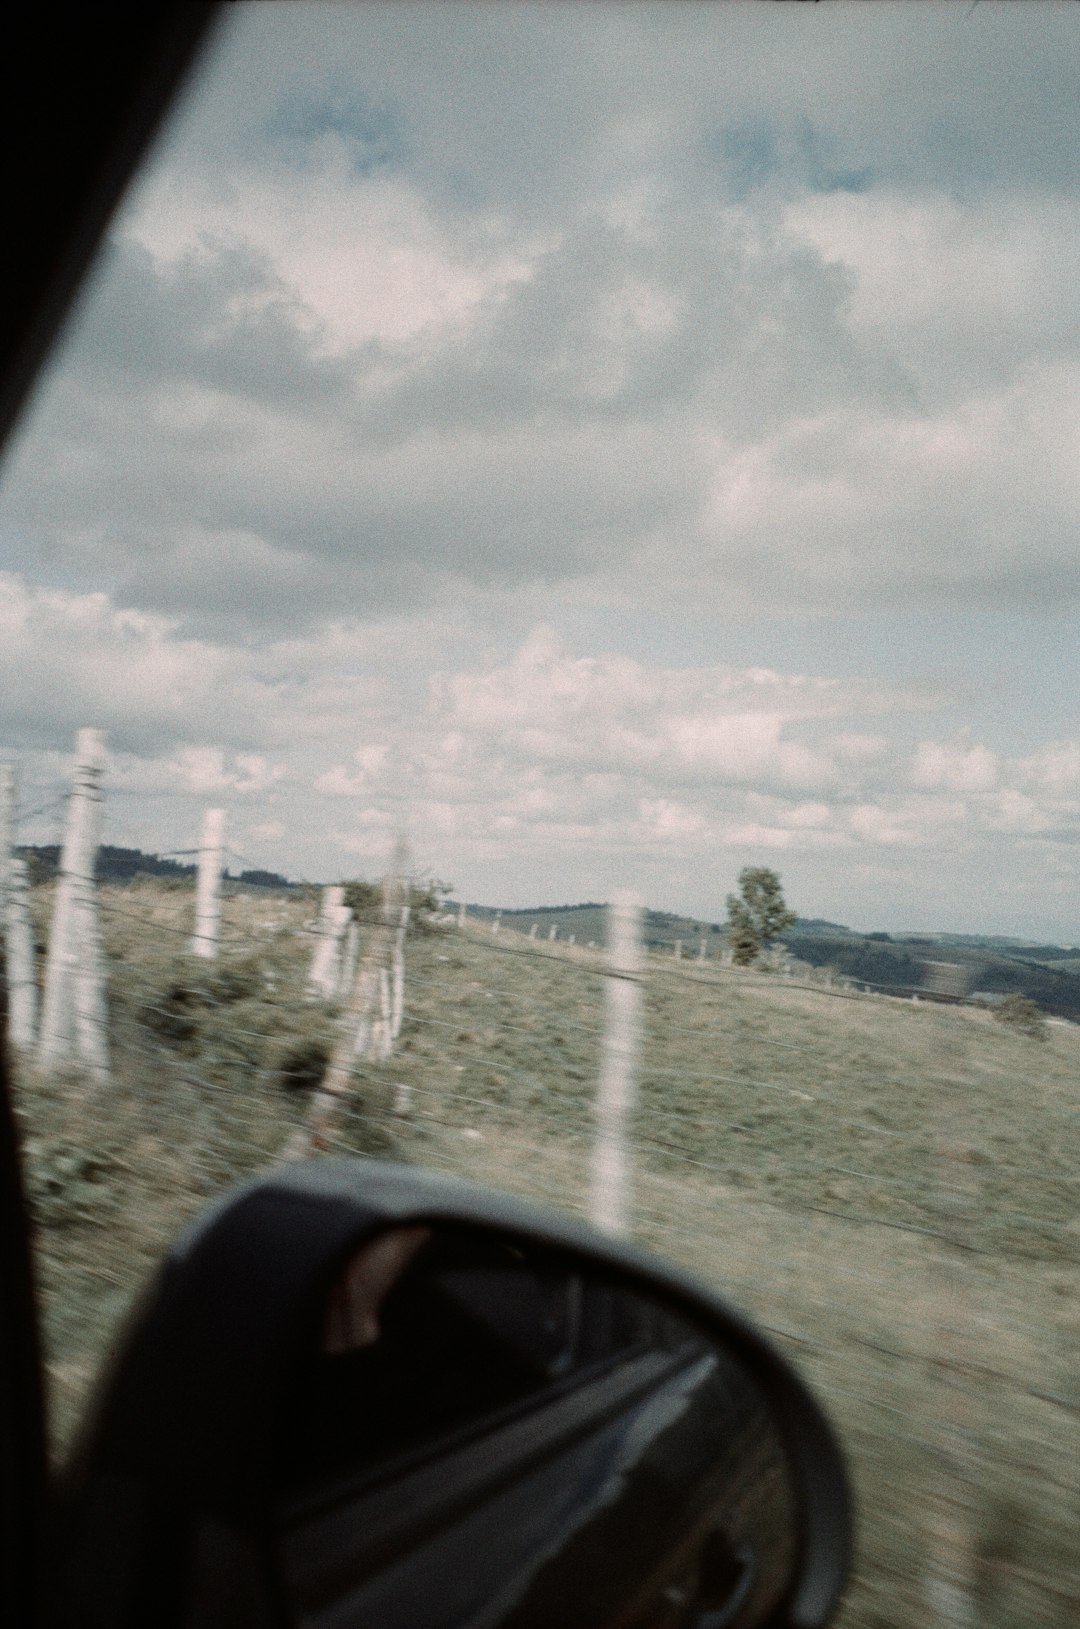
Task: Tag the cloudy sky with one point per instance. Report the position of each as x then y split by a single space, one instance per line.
619 443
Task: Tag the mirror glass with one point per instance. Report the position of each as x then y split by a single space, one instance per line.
489 1432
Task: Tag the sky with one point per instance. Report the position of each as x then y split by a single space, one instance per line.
613 444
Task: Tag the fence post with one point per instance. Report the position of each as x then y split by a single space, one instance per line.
701 949
333 917
88 992
21 974
553 933
532 930
678 950
496 922
397 1005
208 885
461 914
7 850
350 952
618 1069
382 1042
7 823
73 1009
358 1033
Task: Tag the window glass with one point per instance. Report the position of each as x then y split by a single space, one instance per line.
507 456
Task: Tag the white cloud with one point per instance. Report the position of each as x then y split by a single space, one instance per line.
960 293
703 329
361 257
954 767
1054 768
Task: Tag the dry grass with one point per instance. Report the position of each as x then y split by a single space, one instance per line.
887 1186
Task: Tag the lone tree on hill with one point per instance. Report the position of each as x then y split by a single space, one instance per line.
757 914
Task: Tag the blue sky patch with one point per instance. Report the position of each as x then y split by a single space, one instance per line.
753 152
371 131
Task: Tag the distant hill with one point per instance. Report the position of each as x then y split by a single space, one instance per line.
124 864
939 966
921 965
586 922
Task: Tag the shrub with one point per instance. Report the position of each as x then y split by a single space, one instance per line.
301 1066
1022 1015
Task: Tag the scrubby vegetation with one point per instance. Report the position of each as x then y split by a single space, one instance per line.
1018 1013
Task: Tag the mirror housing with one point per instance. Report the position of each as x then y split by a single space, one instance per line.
177 1507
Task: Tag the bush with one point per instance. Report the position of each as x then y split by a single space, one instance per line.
1022 1015
301 1066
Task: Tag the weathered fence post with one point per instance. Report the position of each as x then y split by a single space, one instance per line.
360 1033
350 952
382 1043
333 920
88 992
552 933
701 949
532 930
397 1005
610 1197
19 945
7 822
678 950
496 921
74 1011
461 914
7 849
208 885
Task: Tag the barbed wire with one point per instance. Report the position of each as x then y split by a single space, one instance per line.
650 1072
438 1109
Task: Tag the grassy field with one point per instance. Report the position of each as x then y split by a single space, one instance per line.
891 1188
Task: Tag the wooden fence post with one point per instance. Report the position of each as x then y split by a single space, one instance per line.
73 1015
88 991
360 1032
7 823
532 930
701 949
461 914
610 1195
208 885
381 1040
350 954
7 853
397 1005
325 962
15 925
21 972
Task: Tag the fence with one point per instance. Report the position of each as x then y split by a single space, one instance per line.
860 1174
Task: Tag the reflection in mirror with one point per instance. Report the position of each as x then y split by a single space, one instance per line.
489 1432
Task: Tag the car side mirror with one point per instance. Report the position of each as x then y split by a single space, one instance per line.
364 1395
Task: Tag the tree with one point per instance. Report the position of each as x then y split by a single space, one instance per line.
757 914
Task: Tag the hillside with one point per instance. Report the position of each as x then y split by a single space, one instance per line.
903 964
125 864
888 1187
586 924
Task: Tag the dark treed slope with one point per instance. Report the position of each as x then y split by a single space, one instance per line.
124 864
